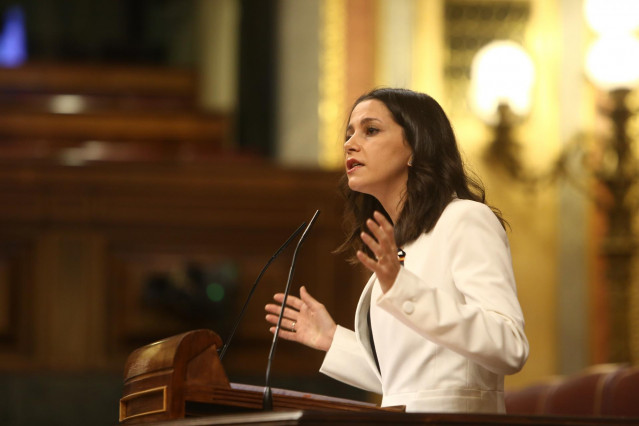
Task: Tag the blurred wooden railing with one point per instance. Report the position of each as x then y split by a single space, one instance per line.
78 114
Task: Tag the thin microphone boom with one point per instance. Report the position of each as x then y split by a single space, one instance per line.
267 403
248 299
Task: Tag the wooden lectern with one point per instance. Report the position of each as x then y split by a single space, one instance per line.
182 376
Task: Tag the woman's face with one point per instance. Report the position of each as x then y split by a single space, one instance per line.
377 154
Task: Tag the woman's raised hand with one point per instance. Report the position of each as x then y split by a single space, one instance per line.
385 265
305 320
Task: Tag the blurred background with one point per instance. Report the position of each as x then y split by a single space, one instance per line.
155 153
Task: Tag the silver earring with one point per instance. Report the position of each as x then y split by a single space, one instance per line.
410 162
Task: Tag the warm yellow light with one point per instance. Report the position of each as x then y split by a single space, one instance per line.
613 62
612 16
501 72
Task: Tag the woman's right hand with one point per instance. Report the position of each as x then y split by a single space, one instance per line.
305 320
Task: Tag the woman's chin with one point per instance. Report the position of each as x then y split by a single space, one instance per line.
353 185
358 187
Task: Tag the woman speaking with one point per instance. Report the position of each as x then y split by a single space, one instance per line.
438 324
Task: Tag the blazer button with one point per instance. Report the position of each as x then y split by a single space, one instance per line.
408 307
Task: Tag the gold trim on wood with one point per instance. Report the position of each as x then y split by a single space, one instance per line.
332 81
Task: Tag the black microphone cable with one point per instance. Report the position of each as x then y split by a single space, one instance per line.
250 295
267 403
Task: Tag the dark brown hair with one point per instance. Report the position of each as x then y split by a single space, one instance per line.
436 176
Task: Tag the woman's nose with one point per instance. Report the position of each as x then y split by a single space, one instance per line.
351 144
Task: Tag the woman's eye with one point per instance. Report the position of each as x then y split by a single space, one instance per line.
372 131
348 137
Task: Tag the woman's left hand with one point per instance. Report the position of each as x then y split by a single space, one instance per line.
385 265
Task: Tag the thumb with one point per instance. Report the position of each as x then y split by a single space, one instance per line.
306 296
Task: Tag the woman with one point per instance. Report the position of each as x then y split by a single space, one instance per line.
438 324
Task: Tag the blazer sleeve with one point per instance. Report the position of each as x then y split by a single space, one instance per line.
481 317
346 361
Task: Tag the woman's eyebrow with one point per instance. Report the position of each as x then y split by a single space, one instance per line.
363 121
366 120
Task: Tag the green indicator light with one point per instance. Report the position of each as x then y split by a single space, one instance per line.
215 292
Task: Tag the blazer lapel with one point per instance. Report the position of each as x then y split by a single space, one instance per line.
362 332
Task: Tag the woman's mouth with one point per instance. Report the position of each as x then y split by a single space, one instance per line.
352 164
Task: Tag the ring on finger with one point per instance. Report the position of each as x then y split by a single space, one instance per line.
293 326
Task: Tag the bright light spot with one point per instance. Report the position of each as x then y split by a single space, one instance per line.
613 62
215 292
67 104
13 41
612 16
93 150
501 72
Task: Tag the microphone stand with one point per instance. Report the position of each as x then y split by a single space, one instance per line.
267 401
250 295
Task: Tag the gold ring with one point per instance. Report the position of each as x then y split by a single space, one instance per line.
293 326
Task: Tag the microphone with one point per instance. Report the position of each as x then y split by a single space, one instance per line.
267 402
248 299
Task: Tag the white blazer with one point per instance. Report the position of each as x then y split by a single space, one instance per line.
448 330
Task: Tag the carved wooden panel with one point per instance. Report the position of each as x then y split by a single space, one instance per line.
127 255
16 281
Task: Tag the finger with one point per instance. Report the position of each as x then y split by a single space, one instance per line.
272 319
382 221
291 300
367 261
381 227
307 298
287 323
378 232
275 310
309 301
383 231
387 227
373 227
372 244
285 334
384 225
